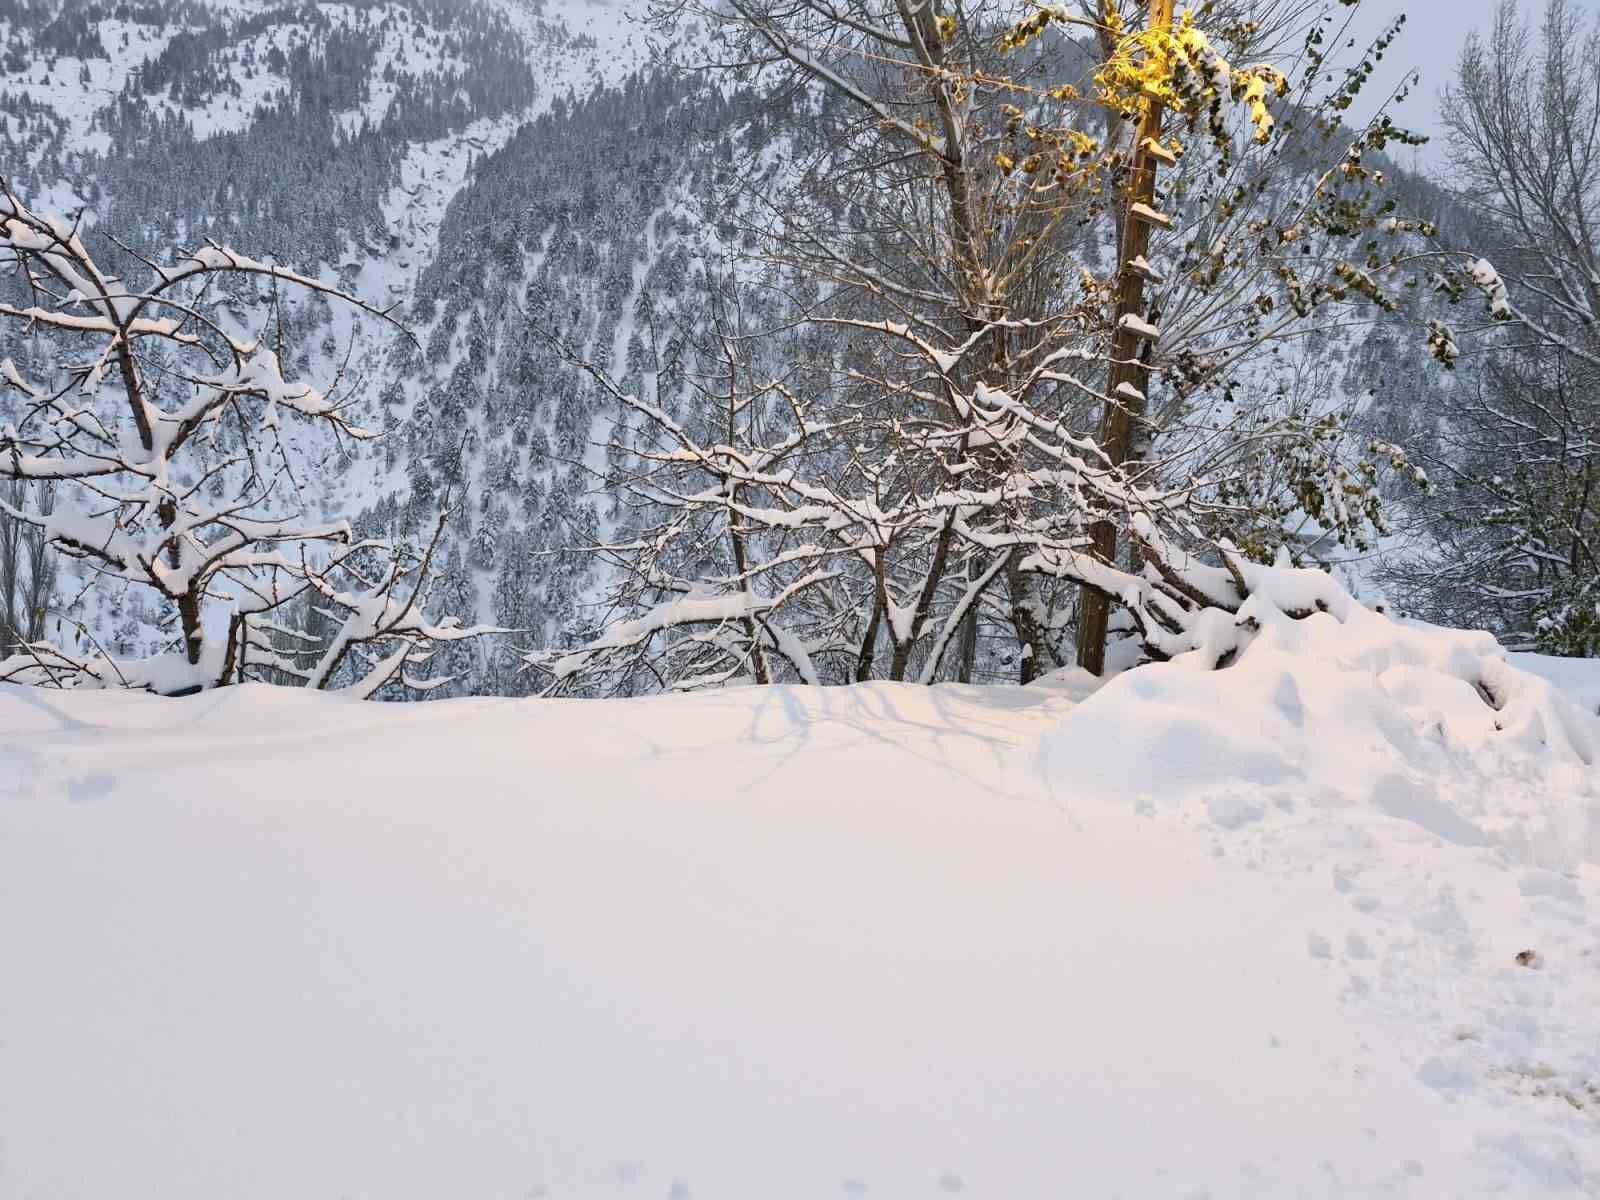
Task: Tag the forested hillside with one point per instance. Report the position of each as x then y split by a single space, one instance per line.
554 218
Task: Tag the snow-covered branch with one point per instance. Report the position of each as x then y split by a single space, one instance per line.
174 443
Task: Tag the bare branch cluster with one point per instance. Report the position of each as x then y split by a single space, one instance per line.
1517 546
171 443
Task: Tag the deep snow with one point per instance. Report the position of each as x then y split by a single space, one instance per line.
1245 933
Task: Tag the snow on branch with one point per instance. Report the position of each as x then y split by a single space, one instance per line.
180 443
789 551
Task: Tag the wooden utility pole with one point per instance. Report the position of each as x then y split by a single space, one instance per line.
1128 378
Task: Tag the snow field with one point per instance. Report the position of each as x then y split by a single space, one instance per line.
1190 935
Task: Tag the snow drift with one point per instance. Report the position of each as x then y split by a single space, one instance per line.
1241 933
1339 706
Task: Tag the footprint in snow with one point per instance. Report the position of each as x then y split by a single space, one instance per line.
1233 811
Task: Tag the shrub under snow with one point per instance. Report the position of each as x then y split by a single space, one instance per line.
1325 701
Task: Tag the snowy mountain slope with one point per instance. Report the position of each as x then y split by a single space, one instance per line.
77 87
880 941
215 67
336 136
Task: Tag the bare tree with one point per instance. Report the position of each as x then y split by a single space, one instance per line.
937 457
1517 545
785 550
166 438
28 567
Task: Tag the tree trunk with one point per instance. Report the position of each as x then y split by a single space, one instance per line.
1030 633
1122 412
968 648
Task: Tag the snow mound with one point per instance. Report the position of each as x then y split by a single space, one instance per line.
1327 702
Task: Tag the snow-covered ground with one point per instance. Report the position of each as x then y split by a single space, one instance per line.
1246 933
57 80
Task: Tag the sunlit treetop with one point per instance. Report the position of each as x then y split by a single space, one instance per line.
1178 68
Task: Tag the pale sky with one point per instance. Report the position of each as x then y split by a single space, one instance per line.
1430 42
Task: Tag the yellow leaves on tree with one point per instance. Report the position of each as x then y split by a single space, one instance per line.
1177 68
1071 155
